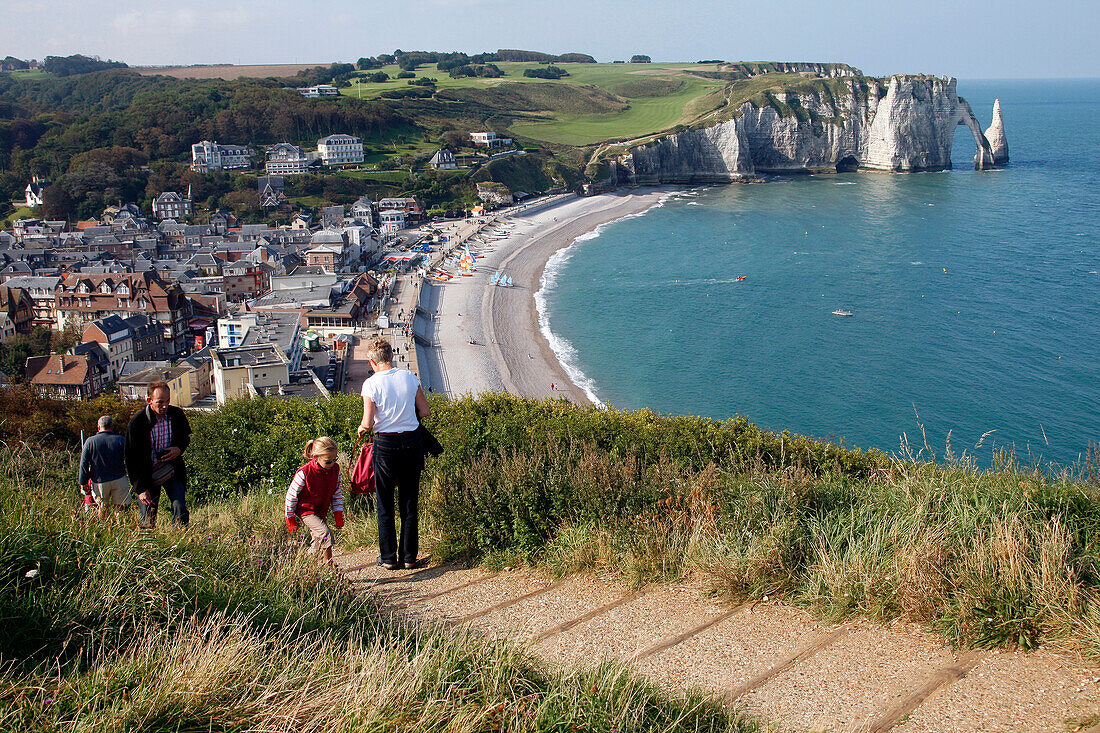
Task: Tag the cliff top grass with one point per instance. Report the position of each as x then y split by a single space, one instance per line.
597 103
1000 557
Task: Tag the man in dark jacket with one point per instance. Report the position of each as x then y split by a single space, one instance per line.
157 435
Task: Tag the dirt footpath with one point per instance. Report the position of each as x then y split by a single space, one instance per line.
772 661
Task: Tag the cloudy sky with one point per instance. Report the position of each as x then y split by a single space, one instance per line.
963 38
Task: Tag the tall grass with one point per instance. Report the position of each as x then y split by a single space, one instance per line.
1000 557
226 626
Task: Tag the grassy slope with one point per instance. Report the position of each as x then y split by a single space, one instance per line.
228 627
651 107
988 558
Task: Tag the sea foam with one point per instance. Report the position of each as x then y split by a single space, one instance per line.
565 352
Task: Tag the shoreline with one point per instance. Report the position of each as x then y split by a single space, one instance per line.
490 339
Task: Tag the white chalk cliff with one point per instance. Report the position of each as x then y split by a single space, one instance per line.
995 134
908 124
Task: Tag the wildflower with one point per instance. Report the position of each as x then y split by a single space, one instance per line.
32 573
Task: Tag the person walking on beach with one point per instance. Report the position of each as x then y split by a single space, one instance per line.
393 403
315 488
103 466
155 441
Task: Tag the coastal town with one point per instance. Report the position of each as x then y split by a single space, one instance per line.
217 308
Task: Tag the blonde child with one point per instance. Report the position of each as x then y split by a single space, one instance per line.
316 487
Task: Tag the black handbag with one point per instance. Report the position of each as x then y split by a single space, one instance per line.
431 446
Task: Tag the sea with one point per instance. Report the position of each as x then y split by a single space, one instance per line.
975 297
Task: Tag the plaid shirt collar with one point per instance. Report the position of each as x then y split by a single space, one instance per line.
161 433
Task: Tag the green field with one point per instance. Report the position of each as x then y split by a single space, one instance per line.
21 212
30 74
649 98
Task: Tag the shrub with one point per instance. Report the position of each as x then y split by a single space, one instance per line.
549 72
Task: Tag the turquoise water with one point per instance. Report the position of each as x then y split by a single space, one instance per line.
976 296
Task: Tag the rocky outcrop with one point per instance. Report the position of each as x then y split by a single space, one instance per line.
995 134
907 124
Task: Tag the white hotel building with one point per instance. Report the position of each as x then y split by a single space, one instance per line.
340 150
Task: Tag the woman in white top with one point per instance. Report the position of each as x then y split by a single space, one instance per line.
393 404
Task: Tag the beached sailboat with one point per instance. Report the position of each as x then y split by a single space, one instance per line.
493 280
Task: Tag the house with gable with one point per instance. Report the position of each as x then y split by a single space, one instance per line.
18 306
7 329
34 192
64 376
84 297
41 288
116 338
271 191
170 205
221 221
443 160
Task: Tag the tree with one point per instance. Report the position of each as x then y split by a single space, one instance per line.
454 139
57 204
640 59
78 64
549 72
68 337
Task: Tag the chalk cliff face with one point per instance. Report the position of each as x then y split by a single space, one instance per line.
995 134
907 125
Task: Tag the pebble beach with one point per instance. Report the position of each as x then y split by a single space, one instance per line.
488 339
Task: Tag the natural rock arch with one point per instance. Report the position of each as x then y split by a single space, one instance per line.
983 153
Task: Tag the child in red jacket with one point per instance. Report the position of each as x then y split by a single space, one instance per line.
316 487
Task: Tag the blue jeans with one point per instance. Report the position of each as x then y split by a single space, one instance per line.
176 491
398 461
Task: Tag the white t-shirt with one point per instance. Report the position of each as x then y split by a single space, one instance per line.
393 393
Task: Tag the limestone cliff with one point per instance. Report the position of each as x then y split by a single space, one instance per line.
905 124
995 134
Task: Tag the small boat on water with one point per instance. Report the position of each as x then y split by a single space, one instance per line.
841 312
742 277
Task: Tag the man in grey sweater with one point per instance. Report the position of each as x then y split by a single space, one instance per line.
103 463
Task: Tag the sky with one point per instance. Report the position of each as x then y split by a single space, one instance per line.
969 39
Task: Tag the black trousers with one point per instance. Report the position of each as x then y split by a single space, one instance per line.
398 461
